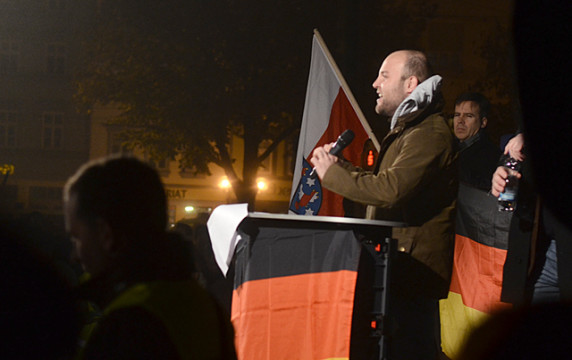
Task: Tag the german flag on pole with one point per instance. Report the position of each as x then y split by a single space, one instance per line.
480 252
294 293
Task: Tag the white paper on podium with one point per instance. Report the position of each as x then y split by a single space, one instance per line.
222 226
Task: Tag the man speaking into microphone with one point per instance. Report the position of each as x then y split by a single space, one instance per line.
415 182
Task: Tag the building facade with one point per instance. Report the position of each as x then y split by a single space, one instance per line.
191 195
43 139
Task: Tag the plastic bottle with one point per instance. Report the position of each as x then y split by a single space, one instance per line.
507 199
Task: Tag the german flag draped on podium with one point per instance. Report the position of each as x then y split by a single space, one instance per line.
294 293
329 110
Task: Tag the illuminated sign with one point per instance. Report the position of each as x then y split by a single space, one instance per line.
176 193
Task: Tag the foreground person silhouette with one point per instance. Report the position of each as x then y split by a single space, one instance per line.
152 308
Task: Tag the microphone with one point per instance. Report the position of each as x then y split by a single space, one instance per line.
341 143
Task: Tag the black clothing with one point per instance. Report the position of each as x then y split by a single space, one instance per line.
478 158
521 240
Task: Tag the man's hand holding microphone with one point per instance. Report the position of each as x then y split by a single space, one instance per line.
325 156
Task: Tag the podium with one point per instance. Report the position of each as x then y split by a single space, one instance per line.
297 285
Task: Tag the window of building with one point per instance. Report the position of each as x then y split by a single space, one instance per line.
162 166
191 173
116 144
57 54
280 163
52 130
9 55
8 125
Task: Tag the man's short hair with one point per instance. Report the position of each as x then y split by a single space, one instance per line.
124 191
479 99
417 65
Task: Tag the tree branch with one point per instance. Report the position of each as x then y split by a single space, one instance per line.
281 137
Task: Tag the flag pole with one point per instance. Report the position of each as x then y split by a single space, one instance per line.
347 90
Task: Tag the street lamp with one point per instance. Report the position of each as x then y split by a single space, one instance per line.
224 183
261 184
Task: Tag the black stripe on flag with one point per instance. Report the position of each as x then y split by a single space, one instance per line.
275 252
479 219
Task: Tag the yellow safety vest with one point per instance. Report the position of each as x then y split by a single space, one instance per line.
189 314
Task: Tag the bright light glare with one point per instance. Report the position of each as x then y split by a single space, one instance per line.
261 185
189 209
225 184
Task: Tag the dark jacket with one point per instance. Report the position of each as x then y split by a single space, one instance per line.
478 158
414 182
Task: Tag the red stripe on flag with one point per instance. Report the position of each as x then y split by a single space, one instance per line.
477 274
342 117
294 317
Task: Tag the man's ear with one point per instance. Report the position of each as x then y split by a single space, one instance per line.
483 123
106 237
411 83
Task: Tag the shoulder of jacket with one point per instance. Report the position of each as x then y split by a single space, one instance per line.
433 128
434 122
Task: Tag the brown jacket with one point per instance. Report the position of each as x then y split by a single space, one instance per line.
414 182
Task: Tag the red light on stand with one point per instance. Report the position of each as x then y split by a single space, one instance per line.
370 158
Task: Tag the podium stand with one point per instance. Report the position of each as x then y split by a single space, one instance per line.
295 281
